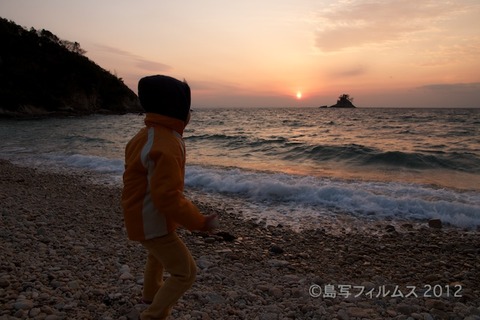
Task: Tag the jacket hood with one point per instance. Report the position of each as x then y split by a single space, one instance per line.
165 95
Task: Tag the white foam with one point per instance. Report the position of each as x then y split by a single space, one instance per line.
89 162
359 198
297 199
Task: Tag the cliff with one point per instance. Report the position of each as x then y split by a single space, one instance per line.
41 75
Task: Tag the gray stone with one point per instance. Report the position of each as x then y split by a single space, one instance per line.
215 298
440 314
34 312
427 316
278 263
407 309
268 316
126 276
360 312
343 315
203 263
23 305
275 292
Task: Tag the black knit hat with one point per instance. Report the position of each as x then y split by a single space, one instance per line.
165 95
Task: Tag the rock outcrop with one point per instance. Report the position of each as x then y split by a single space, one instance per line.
344 101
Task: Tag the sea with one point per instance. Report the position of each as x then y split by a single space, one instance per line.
296 167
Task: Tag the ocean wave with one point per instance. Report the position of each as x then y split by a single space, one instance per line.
70 162
88 162
358 198
236 142
290 149
465 162
327 152
372 200
214 137
83 139
359 155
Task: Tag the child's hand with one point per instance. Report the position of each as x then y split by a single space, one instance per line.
211 223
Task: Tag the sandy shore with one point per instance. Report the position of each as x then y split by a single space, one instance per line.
65 255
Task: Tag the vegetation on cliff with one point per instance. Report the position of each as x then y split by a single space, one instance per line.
41 74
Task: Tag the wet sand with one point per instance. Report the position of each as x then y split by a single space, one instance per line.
65 255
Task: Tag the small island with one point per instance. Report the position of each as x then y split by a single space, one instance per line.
344 101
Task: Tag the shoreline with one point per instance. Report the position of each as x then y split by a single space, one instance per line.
66 256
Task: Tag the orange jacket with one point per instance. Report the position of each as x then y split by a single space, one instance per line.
152 199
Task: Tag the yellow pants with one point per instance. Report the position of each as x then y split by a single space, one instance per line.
167 253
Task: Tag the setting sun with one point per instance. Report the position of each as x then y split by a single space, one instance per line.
324 50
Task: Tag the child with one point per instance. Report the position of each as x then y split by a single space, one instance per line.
152 199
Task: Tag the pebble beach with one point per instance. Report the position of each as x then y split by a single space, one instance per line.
65 255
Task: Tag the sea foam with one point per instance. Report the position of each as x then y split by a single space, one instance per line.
372 200
281 193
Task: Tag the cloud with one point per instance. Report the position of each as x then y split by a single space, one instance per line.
466 95
349 72
152 65
359 22
227 87
473 87
463 50
210 86
434 95
230 94
138 61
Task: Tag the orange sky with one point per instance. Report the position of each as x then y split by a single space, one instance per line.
384 53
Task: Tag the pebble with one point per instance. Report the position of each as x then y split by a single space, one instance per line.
84 267
278 263
276 249
23 305
435 223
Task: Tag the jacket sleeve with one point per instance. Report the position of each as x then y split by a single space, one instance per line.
166 183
